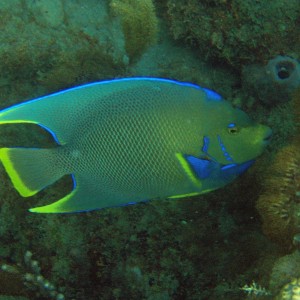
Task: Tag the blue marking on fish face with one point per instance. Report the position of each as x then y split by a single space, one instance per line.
223 148
205 144
231 125
74 181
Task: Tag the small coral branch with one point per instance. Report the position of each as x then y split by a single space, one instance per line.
255 290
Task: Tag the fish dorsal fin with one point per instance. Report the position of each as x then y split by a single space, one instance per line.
59 112
56 113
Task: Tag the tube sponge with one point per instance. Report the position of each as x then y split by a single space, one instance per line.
273 83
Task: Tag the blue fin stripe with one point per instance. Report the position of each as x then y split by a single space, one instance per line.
51 132
212 95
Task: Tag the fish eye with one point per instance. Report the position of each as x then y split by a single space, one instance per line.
232 128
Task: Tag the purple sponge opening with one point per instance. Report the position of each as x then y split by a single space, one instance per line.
284 70
274 83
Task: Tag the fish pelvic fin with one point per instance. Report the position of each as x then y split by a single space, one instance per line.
80 199
30 169
60 206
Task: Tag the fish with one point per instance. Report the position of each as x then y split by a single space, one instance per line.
131 140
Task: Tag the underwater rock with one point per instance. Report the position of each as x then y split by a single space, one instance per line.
47 13
36 57
273 83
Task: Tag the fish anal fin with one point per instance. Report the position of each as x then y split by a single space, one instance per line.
60 206
75 201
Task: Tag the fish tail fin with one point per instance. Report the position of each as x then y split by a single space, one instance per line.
30 169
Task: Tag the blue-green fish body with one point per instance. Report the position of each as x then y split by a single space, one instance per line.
131 140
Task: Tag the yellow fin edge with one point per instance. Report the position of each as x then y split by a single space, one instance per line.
19 185
17 121
56 207
185 195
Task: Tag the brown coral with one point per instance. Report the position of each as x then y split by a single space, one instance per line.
279 204
139 23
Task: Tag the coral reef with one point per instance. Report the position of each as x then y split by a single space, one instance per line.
238 32
291 291
274 83
139 23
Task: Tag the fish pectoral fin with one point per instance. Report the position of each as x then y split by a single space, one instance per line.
196 168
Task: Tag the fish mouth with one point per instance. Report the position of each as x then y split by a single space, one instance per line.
267 136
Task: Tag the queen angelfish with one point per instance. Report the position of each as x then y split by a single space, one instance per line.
130 140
